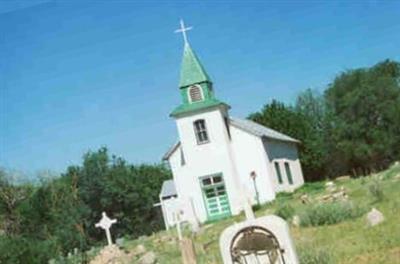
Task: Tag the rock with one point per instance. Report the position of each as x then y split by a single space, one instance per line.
296 221
305 199
148 258
375 217
138 250
343 178
111 255
330 186
120 241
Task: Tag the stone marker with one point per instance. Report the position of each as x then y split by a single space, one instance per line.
257 240
261 240
330 186
375 217
106 223
148 258
296 221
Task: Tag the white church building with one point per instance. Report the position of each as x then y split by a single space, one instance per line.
219 159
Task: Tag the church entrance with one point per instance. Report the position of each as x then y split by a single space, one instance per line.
215 197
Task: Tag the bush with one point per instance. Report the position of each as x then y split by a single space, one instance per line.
284 196
375 189
315 255
286 211
329 213
312 187
20 250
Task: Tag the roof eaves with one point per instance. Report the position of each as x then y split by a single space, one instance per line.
171 150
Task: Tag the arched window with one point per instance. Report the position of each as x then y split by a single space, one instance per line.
201 131
195 94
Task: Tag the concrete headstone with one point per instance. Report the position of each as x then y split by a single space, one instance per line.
375 217
248 242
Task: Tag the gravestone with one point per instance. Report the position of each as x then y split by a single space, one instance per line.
263 240
106 223
375 217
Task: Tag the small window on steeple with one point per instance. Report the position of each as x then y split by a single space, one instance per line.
195 94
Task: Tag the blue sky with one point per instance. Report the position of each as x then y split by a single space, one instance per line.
77 75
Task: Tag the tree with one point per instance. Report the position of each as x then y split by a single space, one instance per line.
364 126
311 105
297 122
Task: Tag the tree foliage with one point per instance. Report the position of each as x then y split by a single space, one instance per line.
59 215
354 127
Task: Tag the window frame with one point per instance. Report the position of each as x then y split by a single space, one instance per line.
278 172
201 133
289 174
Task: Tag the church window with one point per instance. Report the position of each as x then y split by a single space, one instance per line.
206 181
201 131
195 94
288 173
278 172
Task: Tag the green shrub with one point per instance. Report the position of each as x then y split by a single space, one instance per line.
256 207
21 250
285 210
315 255
376 191
329 213
311 187
284 196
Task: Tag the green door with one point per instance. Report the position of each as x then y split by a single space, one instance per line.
215 197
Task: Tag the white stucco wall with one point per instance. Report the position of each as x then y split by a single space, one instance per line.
235 158
284 152
250 156
203 160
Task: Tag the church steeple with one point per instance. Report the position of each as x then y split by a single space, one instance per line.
195 84
192 71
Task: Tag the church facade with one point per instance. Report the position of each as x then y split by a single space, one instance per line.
219 160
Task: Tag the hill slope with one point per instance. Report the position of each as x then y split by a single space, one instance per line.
349 241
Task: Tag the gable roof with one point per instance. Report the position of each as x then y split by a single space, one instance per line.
168 189
260 130
249 127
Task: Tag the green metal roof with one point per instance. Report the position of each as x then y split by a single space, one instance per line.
192 71
186 108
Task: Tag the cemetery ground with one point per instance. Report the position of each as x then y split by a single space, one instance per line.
340 235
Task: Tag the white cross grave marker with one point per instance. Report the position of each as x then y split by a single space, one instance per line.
106 223
176 209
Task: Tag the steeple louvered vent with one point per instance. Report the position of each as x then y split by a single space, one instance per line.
195 94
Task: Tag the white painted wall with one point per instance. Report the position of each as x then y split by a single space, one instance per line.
235 158
204 159
250 156
284 152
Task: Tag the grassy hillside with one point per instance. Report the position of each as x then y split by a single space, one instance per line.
349 241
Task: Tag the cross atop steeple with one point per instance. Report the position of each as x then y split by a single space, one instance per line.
183 30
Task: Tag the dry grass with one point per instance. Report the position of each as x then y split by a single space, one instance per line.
350 241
